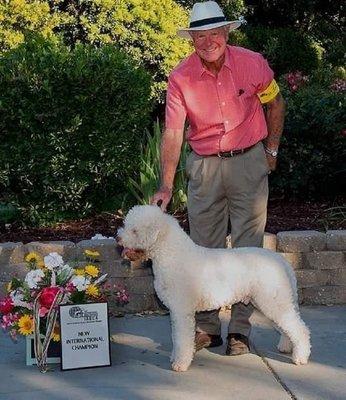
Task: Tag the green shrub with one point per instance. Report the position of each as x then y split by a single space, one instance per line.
232 8
313 150
71 125
8 213
323 21
146 30
285 49
20 16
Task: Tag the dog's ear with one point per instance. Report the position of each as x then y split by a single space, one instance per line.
161 227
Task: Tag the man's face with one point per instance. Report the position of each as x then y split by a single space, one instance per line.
210 45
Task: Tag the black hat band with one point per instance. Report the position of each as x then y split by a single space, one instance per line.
206 21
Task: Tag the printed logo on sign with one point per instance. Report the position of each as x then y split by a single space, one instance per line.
79 312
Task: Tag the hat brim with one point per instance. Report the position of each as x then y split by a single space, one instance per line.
185 32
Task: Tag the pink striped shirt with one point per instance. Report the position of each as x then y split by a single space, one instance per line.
224 112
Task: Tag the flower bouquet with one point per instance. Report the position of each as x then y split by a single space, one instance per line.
31 304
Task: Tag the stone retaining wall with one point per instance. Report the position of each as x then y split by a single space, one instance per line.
319 260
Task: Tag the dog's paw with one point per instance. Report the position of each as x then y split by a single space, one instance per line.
178 366
300 360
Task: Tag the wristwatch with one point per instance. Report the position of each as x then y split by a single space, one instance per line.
273 153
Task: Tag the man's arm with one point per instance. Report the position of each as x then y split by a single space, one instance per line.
275 116
172 140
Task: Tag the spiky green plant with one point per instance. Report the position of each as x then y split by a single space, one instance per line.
148 179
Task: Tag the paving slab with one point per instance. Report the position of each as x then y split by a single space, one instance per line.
140 370
324 378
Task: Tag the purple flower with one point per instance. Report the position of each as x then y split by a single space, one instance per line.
339 85
295 80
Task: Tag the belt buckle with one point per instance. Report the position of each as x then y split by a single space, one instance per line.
230 153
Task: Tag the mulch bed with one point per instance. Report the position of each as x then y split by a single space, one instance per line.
283 215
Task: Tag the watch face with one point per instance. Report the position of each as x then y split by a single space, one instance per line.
274 153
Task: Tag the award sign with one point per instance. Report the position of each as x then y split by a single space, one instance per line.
84 336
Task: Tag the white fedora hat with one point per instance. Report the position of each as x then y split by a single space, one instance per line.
207 15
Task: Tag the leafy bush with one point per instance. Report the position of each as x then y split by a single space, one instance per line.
8 213
20 16
232 8
285 49
148 177
71 125
313 150
146 30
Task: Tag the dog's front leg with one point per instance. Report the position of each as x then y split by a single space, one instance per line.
183 338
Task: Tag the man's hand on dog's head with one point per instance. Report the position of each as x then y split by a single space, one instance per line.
162 197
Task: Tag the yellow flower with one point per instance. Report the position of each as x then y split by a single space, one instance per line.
9 287
92 270
56 334
40 264
92 253
92 290
26 325
56 337
79 271
33 257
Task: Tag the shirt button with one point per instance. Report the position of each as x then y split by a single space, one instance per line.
223 103
219 83
226 122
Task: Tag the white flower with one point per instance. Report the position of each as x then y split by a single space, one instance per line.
80 282
33 277
53 260
18 299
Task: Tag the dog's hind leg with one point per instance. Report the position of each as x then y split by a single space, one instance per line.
291 324
284 345
183 338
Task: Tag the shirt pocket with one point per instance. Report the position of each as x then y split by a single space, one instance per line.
245 94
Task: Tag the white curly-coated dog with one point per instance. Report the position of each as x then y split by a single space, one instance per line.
190 278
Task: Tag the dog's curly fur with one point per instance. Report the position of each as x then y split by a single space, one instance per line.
191 278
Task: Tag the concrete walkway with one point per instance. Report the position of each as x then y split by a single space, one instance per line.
141 368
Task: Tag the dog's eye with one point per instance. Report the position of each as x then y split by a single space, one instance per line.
134 231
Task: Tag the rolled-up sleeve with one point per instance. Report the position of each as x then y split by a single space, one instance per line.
175 106
262 75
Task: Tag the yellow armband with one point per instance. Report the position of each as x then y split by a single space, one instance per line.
269 93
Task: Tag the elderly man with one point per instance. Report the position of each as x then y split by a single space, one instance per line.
235 114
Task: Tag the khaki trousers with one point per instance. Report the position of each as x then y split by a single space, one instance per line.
223 190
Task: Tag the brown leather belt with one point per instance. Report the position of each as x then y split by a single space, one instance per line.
232 153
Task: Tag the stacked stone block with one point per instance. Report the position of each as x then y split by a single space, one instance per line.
138 281
319 261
